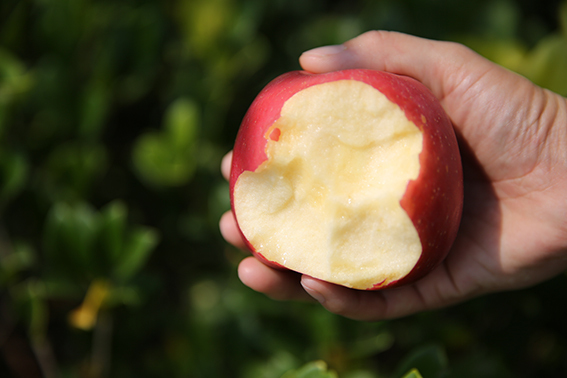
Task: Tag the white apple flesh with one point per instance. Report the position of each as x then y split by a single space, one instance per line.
319 186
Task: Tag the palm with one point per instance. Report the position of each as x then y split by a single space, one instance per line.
502 243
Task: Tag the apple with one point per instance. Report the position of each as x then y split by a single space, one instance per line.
353 177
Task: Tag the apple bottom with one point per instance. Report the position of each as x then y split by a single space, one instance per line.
326 201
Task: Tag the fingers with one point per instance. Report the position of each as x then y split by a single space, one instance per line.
227 224
434 291
364 305
225 165
436 64
277 284
229 230
354 304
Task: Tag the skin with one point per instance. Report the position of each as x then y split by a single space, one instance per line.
513 136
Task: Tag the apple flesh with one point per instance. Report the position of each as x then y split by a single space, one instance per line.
353 177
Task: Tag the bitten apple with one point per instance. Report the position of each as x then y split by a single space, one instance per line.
353 177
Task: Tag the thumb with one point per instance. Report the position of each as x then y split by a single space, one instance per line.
438 65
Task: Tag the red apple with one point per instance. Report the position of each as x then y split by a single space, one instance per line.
353 177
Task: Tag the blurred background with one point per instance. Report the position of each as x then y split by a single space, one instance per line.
114 117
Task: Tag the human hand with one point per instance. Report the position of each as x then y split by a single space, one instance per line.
513 138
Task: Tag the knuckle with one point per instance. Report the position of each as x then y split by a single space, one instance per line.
339 309
372 37
345 305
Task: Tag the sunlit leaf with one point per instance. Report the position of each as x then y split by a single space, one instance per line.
316 369
69 237
508 53
371 345
14 171
135 253
502 19
94 110
563 17
113 224
85 316
430 360
546 64
204 22
414 373
242 63
182 123
14 78
15 81
169 157
159 163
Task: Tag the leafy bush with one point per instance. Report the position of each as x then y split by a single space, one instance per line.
114 116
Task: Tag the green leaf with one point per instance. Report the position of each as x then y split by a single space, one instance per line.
182 123
315 369
72 168
563 18
502 18
95 105
69 236
204 23
30 295
19 258
124 295
414 373
135 252
158 163
81 241
14 79
169 157
546 64
429 360
14 171
112 229
364 347
509 53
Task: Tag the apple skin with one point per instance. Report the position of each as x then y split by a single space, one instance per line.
433 201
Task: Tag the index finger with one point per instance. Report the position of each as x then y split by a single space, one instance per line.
439 65
225 165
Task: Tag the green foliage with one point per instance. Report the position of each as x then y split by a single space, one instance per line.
13 173
169 157
317 369
544 63
430 360
114 117
84 243
414 373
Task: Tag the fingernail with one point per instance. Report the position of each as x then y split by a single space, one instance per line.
310 286
326 50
